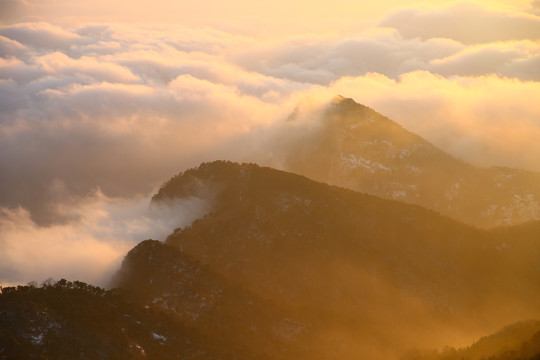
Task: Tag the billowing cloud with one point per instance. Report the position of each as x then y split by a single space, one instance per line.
16 70
464 22
515 59
124 119
10 47
90 247
385 51
321 61
60 64
41 35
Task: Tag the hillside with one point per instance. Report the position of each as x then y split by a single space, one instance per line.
352 266
74 320
352 146
284 267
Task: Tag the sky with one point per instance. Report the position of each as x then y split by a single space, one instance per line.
102 101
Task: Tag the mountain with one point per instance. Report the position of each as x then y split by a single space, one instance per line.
352 146
284 267
163 276
358 275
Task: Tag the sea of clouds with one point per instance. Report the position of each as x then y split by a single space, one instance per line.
95 116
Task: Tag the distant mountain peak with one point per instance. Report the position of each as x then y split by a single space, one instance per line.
340 102
356 147
338 99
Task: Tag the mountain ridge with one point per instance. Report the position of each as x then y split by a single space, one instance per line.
285 267
286 237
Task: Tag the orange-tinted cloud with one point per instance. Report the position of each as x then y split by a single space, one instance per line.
91 246
464 22
512 59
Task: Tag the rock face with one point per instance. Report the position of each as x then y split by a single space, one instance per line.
355 147
342 268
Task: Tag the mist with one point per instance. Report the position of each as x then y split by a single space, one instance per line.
91 245
88 104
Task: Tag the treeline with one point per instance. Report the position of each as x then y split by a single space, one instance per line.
74 320
52 284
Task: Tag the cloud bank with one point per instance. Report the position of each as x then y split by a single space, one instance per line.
91 246
464 22
122 107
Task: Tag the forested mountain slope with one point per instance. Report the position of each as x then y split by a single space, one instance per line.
74 320
284 267
352 266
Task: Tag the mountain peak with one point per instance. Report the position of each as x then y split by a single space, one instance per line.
340 101
339 98
356 147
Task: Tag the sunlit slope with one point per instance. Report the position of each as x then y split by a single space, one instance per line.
351 145
367 276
